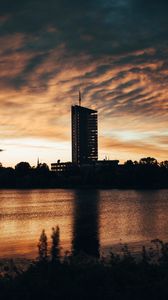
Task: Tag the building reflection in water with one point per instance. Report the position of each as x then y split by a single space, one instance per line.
86 223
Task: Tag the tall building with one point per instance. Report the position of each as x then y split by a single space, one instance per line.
84 134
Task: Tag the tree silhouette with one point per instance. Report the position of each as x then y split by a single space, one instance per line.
164 164
55 247
129 163
23 168
43 166
148 161
43 246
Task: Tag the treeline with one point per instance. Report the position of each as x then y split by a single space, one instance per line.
147 173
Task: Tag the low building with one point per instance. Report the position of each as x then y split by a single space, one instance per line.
63 167
106 164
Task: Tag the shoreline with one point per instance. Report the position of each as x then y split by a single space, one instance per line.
85 187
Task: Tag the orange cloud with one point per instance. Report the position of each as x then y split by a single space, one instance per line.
127 97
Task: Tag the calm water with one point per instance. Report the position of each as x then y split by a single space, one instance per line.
90 220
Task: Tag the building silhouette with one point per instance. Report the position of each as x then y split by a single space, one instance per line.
61 167
84 134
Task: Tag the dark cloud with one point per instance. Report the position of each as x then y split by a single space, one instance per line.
125 40
150 5
96 27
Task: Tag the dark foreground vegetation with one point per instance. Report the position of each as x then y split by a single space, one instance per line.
83 277
147 173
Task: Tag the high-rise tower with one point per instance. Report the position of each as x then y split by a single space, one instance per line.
84 134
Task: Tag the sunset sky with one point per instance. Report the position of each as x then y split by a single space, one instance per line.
114 51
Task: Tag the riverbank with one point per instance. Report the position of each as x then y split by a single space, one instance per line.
82 277
147 174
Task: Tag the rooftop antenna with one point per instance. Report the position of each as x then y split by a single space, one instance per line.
80 98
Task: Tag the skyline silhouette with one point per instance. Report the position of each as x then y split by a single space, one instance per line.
87 117
110 50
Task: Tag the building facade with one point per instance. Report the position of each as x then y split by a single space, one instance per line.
84 135
61 167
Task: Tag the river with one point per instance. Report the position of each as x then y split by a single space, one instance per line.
92 221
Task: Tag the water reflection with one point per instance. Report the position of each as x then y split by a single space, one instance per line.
86 223
152 223
90 221
23 215
132 217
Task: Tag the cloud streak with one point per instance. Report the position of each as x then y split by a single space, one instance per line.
116 52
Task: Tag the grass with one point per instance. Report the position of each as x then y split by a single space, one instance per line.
83 277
